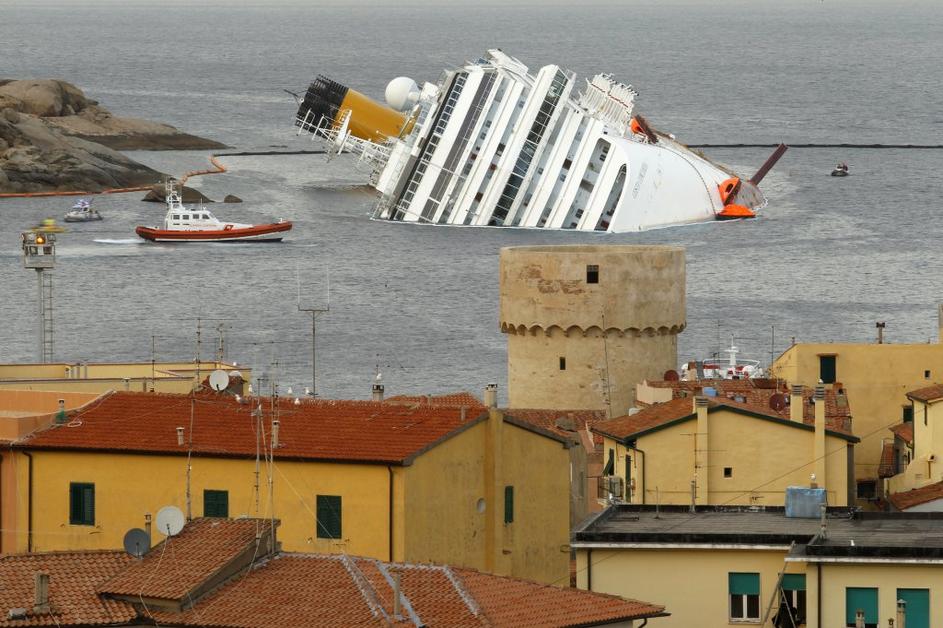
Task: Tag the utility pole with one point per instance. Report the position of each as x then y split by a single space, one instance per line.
314 311
39 253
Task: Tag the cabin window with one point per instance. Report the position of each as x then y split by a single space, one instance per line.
81 504
205 217
827 369
728 472
176 216
215 503
864 599
508 504
329 516
592 273
794 594
562 363
744 593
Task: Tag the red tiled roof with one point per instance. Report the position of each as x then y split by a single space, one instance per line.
362 431
73 579
917 496
198 553
660 414
559 421
929 393
456 399
331 590
887 468
904 431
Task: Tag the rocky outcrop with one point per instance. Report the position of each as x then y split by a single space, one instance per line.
232 198
157 194
53 138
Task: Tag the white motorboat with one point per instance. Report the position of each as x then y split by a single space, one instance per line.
716 368
82 211
490 144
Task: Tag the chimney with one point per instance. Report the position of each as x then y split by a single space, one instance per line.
901 613
491 396
701 458
275 425
795 403
378 392
180 436
147 527
819 438
41 594
880 327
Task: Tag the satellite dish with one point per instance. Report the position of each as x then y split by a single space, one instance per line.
137 542
170 521
219 380
710 391
778 402
671 375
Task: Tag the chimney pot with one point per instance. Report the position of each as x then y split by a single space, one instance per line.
275 425
491 396
378 392
180 436
820 392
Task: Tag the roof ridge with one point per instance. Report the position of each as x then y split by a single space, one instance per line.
368 593
413 615
465 594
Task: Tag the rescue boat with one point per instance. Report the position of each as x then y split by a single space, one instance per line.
183 224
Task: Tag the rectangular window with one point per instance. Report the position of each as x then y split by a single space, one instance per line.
827 369
562 363
794 593
592 274
744 590
907 414
728 472
610 463
215 503
918 606
329 516
926 375
81 504
508 504
864 599
867 489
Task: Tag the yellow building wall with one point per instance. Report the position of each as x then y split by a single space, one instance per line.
446 523
764 457
886 578
928 443
691 584
147 483
876 378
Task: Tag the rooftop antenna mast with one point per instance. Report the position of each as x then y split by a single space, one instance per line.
314 310
39 253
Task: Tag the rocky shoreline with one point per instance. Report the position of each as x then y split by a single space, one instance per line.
53 138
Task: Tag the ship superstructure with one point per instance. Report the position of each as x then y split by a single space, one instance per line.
491 144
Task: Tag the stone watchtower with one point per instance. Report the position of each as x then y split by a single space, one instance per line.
585 324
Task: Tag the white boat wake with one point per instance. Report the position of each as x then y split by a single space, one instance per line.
118 240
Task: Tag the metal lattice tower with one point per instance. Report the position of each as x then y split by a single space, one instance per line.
45 314
39 253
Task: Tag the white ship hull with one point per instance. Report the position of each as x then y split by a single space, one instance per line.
492 145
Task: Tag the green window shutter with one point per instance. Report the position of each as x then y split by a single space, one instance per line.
864 598
794 582
329 517
81 504
918 606
215 503
744 583
508 504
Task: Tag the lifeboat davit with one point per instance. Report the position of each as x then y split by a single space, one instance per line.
192 224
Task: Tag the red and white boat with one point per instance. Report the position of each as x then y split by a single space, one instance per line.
192 224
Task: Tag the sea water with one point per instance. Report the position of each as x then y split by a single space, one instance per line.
827 259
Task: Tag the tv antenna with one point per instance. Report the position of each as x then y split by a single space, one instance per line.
314 310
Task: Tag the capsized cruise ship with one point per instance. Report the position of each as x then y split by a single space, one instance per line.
490 144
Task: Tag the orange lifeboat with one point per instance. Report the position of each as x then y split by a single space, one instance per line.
728 188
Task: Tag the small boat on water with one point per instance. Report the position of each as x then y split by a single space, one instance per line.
716 369
48 225
183 224
841 170
82 211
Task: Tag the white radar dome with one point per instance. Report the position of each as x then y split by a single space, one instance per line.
402 93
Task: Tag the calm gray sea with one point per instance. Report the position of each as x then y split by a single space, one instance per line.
828 258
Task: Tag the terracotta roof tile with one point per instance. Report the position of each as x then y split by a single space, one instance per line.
314 429
456 399
928 393
564 423
200 551
904 431
330 590
917 496
683 407
887 468
73 580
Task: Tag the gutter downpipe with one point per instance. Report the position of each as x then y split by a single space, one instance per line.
643 483
589 569
818 596
29 502
390 517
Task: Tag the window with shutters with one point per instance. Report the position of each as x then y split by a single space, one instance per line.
329 516
744 592
793 588
918 606
81 504
508 504
215 503
864 599
827 369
